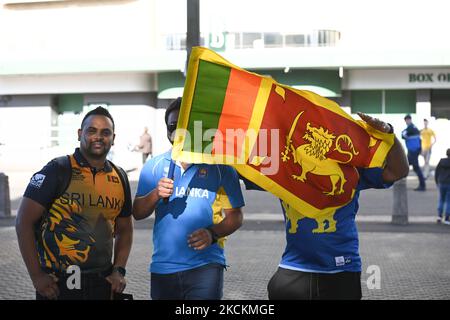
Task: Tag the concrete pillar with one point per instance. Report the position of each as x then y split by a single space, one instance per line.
423 105
5 201
400 207
54 130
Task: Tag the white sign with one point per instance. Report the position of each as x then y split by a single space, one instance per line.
397 79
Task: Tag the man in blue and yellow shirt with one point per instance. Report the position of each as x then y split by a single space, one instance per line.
58 229
321 259
189 231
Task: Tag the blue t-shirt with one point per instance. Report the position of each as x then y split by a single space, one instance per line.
200 194
328 245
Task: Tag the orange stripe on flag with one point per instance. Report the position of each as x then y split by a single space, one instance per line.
237 110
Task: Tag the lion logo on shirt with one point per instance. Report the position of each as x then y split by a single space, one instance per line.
325 224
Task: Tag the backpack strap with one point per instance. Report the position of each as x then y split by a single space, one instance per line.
123 179
64 174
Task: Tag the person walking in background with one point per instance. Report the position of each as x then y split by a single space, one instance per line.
145 145
442 178
428 138
414 145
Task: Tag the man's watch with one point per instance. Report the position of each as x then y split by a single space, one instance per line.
214 235
120 270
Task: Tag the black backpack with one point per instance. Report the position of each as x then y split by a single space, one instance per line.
63 180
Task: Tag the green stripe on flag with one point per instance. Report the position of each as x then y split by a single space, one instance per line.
207 103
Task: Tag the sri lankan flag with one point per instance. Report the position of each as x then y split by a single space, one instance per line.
296 144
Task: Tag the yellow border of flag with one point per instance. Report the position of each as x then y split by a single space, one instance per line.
197 54
306 209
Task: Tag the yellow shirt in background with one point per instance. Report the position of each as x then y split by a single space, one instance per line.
425 135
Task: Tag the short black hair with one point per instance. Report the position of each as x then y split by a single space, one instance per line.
99 111
408 116
174 105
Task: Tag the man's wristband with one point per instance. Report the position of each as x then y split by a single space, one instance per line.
214 235
120 270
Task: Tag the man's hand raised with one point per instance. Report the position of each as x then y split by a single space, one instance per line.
375 123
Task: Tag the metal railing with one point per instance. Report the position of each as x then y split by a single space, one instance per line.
248 40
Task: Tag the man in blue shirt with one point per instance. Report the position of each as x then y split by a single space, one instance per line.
414 145
189 231
321 259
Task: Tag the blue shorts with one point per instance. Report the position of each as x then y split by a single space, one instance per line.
202 283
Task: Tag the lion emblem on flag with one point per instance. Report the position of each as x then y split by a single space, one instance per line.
312 156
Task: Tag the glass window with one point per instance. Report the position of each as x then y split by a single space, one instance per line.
273 40
295 40
400 101
366 101
249 38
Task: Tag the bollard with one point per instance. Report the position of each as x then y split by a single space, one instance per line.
5 201
400 207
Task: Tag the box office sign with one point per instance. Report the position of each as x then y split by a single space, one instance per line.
429 77
397 79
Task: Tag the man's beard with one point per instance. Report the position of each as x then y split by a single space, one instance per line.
98 153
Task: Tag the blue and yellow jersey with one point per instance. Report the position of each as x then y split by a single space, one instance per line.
200 194
78 226
328 244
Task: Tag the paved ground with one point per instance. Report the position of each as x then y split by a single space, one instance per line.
413 260
412 265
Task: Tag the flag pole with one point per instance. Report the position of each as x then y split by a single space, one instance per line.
192 40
